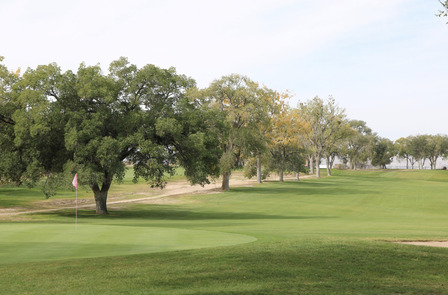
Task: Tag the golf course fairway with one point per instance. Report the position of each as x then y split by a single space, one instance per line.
29 242
332 235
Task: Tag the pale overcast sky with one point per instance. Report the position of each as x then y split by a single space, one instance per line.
384 61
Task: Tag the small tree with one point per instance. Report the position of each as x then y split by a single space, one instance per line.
383 152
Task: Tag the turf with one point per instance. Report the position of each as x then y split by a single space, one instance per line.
326 236
25 242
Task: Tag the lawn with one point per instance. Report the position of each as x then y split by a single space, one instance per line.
316 236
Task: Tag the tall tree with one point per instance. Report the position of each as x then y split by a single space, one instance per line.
325 119
356 147
437 146
335 146
418 149
91 123
245 106
286 148
402 150
12 166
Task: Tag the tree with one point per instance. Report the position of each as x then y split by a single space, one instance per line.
437 146
325 119
246 106
357 144
287 153
91 123
402 149
383 152
11 164
335 146
418 149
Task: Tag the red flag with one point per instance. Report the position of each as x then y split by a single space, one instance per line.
75 181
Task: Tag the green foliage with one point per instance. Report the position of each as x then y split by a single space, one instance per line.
250 167
357 148
245 107
420 148
383 152
326 119
90 123
12 164
444 11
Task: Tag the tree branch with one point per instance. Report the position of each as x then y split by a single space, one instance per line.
7 120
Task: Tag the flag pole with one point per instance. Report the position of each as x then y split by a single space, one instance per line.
76 209
75 184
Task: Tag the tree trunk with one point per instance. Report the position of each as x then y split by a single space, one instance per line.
297 176
101 196
101 203
259 169
311 164
317 165
407 163
332 159
280 174
225 181
328 166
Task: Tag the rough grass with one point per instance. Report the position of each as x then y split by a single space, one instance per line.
324 236
12 196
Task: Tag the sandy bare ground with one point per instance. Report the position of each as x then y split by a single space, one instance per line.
443 244
170 194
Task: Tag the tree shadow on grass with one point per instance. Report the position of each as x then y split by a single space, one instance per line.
307 188
164 212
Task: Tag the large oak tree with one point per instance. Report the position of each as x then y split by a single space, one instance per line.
91 123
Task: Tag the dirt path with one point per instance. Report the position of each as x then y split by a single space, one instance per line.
150 196
442 244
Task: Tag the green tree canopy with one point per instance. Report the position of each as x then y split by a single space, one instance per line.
383 152
246 108
357 146
325 119
12 165
90 123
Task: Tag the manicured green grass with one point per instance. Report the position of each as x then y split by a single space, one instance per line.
25 242
325 236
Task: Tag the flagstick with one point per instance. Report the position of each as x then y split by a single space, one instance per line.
76 214
75 184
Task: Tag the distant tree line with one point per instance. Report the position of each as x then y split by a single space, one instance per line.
54 124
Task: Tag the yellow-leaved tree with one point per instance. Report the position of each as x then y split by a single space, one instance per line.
285 141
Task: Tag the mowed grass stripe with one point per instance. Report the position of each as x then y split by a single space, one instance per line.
25 242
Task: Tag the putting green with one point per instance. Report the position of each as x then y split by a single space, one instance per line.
26 242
